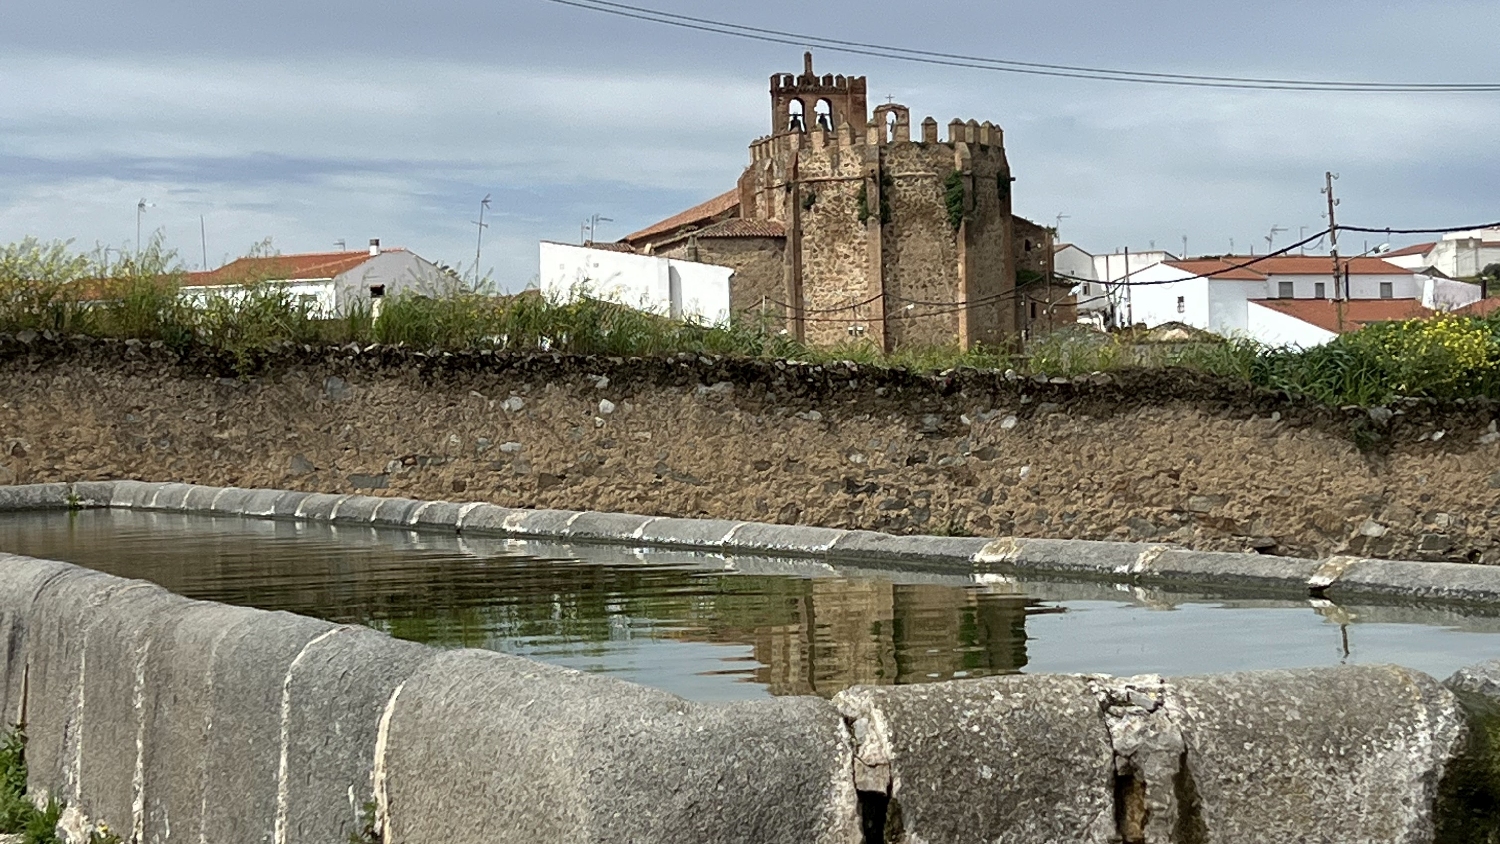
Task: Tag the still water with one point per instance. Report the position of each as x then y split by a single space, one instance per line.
713 627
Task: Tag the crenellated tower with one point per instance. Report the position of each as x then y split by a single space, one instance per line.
889 237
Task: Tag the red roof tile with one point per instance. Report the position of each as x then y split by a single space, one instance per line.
1316 265
1357 313
610 247
1217 269
697 215
311 265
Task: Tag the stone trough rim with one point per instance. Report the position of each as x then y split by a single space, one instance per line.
1131 563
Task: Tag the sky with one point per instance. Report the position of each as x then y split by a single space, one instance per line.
317 122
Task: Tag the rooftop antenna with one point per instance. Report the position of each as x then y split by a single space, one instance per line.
1060 217
1271 237
1184 248
343 247
203 234
479 243
140 208
593 225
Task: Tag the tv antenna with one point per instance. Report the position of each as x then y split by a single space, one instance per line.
479 243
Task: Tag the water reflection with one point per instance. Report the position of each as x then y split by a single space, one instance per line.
805 635
714 627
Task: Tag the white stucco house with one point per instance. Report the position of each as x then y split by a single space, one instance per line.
1462 254
684 290
330 283
1283 300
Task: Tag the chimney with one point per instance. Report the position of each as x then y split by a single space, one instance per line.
374 246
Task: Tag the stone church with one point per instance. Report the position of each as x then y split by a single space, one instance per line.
848 224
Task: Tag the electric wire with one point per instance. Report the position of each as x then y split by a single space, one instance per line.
959 60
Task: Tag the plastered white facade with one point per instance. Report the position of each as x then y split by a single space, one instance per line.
679 289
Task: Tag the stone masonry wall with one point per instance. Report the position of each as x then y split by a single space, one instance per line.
921 248
1167 457
835 251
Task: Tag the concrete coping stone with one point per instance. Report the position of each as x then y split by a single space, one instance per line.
1441 581
1109 559
959 551
394 512
489 519
201 499
755 537
606 527
1218 567
689 533
34 497
169 496
1115 561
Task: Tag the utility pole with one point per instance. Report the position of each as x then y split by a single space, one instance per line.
479 243
203 234
1333 248
140 208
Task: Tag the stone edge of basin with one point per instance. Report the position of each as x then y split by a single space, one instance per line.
1130 562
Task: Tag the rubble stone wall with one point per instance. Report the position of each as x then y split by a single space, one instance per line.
1165 457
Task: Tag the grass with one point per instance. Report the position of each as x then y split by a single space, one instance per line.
18 815
48 287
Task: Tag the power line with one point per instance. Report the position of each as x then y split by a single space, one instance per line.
930 57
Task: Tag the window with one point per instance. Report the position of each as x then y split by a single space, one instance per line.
1285 290
1033 310
377 291
795 117
1320 290
1085 290
1386 291
1181 304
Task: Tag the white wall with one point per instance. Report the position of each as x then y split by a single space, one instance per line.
1466 254
666 286
1227 299
1408 262
397 272
319 295
1442 294
1275 328
1154 293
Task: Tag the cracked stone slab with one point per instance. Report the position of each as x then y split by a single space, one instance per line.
34 497
606 527
688 533
784 539
483 747
21 580
1345 754
1019 759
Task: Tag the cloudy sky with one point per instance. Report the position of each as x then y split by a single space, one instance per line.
316 121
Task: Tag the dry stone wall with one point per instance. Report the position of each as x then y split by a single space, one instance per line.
1168 458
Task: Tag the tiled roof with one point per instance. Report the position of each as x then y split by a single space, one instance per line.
1357 313
610 247
1315 265
1217 269
311 265
1414 249
744 228
697 215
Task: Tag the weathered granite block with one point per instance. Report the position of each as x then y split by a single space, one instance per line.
1018 759
549 755
784 539
34 497
688 533
948 552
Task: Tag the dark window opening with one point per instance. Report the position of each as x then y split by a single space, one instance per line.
1386 290
1028 245
1181 304
1033 310
377 291
1320 290
1285 290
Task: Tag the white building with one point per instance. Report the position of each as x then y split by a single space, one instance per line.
329 283
1275 300
679 289
1462 254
